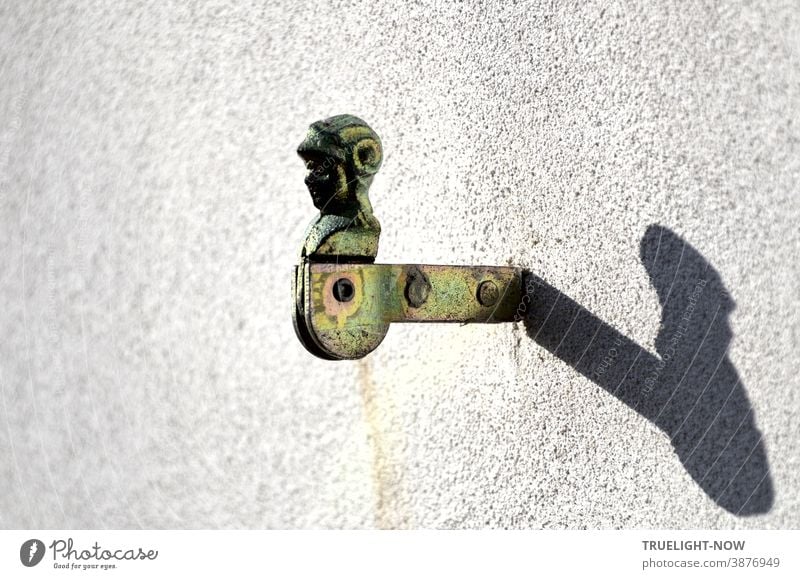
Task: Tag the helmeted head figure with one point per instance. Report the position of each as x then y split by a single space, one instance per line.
342 155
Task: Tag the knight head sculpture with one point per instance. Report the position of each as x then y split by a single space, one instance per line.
342 155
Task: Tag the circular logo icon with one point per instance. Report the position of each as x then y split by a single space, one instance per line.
31 552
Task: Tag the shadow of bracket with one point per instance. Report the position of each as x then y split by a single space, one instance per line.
690 389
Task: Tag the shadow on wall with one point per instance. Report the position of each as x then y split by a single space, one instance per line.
690 390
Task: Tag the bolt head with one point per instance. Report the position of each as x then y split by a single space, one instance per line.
417 288
417 292
488 294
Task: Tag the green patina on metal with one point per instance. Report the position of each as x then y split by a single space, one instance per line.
342 155
344 303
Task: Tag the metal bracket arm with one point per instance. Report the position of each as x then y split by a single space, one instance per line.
345 309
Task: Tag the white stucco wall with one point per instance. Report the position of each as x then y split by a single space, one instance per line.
152 207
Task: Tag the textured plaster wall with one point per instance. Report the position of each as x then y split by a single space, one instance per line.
152 206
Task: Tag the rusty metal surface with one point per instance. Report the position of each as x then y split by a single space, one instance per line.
353 324
380 293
